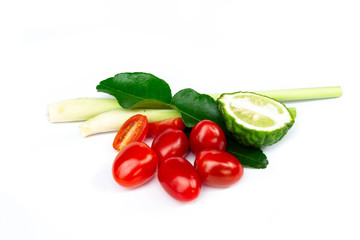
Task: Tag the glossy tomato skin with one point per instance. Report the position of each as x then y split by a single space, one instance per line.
133 130
179 179
218 168
207 134
170 143
155 128
134 165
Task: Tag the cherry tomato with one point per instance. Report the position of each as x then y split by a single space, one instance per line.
179 179
170 143
155 128
134 165
218 168
133 130
207 134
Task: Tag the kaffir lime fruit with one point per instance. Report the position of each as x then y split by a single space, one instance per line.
253 119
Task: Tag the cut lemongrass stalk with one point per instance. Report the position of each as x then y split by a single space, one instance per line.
299 93
303 93
80 109
113 120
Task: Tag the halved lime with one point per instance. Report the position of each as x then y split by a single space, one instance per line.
253 119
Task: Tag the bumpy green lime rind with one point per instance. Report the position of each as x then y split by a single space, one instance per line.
252 137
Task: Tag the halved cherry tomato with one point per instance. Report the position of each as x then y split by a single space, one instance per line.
134 165
133 130
207 134
170 143
179 179
155 128
218 168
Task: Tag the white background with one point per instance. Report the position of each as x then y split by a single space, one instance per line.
55 184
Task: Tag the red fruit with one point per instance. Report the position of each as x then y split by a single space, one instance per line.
170 143
207 134
218 168
133 130
155 128
179 179
134 165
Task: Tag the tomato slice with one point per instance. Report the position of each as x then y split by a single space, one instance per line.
155 128
133 130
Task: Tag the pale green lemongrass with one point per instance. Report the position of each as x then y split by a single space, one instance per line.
299 93
113 120
80 109
105 114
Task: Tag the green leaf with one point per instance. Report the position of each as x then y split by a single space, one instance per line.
247 156
130 89
195 107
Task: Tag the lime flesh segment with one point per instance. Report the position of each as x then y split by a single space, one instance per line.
250 117
254 120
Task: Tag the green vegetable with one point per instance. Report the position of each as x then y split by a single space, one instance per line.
286 95
247 156
82 109
79 109
303 93
255 120
195 107
135 89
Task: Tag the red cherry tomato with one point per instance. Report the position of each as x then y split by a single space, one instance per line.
207 134
155 128
218 168
133 130
134 165
179 179
170 143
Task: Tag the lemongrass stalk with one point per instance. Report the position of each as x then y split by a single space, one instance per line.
299 93
113 120
304 93
84 108
80 109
